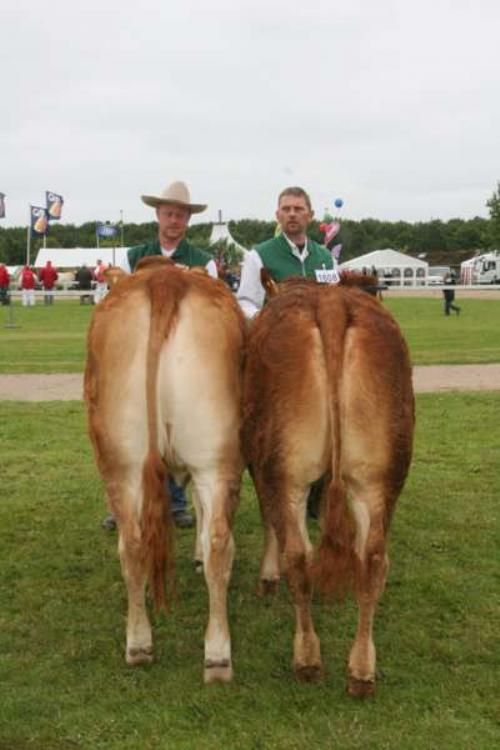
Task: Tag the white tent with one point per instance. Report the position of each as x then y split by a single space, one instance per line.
74 257
221 233
468 270
392 267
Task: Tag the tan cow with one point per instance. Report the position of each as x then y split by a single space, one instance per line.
327 393
163 392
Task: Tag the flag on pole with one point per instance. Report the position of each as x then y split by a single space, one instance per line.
2 205
54 204
106 230
39 221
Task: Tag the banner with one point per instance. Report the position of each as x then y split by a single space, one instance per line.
39 221
54 205
105 229
2 205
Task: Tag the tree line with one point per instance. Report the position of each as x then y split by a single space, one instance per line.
441 242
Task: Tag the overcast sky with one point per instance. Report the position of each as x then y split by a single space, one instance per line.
391 105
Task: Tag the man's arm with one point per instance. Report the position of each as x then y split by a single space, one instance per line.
251 293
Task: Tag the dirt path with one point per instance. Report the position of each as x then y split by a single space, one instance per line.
428 379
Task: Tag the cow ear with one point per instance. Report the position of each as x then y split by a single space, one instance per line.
267 282
112 274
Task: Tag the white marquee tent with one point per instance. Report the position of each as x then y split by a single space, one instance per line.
391 266
74 257
221 233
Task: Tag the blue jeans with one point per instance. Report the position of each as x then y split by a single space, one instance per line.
178 496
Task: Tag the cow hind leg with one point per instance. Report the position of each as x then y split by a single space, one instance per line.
373 564
269 575
307 662
198 548
217 498
139 647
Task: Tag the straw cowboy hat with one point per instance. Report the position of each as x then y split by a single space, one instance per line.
176 193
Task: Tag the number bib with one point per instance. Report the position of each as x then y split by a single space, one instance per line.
327 276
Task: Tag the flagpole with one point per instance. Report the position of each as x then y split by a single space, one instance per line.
28 242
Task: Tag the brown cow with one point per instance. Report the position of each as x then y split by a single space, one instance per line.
327 394
163 393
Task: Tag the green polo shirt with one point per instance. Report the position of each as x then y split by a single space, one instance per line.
278 259
185 254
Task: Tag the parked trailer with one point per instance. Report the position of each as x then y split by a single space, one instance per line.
488 268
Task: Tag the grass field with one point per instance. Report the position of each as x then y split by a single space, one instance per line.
64 682
52 339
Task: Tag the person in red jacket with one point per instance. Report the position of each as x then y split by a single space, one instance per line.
4 285
48 277
28 283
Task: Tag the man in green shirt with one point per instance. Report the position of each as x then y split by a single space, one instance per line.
173 211
291 253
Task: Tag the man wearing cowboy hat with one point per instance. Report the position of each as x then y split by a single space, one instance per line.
173 211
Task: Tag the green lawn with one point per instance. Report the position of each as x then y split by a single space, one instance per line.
52 339
473 337
64 684
45 339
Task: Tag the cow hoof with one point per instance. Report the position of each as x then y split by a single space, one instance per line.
198 566
218 671
308 672
136 656
268 586
360 688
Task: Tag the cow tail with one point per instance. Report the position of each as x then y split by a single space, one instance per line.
335 565
156 524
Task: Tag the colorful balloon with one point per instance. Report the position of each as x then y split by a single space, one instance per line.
338 203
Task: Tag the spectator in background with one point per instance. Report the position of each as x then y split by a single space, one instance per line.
48 278
28 284
4 285
84 278
101 286
449 296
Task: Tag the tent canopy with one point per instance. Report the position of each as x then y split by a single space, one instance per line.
74 257
385 260
221 233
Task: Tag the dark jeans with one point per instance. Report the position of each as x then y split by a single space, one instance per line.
449 305
178 496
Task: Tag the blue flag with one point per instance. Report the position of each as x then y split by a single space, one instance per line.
39 221
54 205
105 229
2 205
